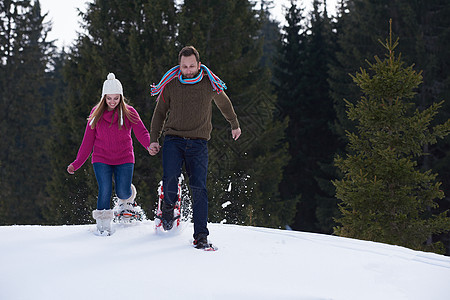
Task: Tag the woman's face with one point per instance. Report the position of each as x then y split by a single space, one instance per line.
112 100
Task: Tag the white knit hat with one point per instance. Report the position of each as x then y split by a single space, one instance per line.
112 85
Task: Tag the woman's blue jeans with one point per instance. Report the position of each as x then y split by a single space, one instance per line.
123 176
194 154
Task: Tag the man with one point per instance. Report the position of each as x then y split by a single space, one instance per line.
183 113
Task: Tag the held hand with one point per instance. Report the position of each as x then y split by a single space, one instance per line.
154 148
236 133
70 169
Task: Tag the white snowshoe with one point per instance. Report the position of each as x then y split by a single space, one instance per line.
127 210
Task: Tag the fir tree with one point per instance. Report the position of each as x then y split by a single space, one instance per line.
319 113
433 57
385 197
287 72
23 111
58 186
303 94
270 34
421 26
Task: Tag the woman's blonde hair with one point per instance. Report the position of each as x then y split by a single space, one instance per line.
121 109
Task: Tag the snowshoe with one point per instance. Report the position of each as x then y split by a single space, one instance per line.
167 217
127 212
201 243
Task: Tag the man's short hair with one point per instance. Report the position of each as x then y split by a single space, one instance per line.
188 51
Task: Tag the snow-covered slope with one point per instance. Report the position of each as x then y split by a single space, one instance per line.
70 262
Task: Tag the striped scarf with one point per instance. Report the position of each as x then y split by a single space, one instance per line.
217 84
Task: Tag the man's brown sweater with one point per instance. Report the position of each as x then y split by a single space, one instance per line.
185 110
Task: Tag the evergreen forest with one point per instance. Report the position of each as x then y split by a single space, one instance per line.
344 118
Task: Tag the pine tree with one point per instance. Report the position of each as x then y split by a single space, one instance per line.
385 197
287 72
243 175
420 26
23 111
433 57
58 186
359 29
270 34
318 117
303 93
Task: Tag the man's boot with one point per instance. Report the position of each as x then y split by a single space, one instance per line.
167 216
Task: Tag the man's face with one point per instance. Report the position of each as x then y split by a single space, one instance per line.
189 66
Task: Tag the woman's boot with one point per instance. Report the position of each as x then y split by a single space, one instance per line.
103 218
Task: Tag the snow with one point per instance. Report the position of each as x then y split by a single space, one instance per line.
229 188
70 262
224 205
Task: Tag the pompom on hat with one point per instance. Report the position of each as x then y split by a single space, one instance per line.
112 85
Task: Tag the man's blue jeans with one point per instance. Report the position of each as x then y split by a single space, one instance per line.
194 154
123 176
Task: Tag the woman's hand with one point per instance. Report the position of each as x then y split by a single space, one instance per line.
70 169
154 148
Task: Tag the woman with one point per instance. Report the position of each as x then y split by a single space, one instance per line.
108 137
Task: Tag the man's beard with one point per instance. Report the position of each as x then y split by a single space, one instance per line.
192 75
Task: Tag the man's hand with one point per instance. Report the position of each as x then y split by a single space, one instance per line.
236 133
154 148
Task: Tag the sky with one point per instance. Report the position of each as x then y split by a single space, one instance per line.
65 19
71 263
